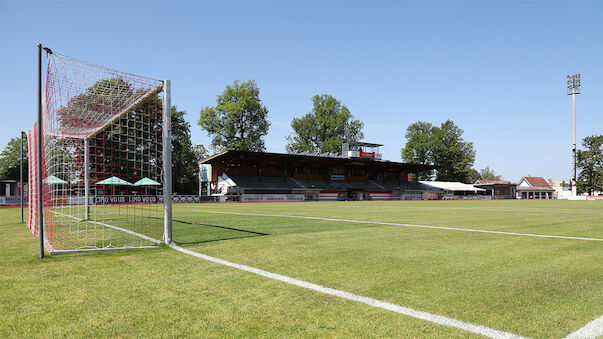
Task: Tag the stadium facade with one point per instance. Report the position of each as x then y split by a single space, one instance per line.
354 175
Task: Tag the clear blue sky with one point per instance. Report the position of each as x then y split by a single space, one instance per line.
496 68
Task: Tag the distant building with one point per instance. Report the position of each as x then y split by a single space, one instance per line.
535 188
9 192
357 174
562 190
498 189
449 189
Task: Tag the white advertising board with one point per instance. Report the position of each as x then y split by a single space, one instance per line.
271 197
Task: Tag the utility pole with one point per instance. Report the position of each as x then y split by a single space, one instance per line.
21 178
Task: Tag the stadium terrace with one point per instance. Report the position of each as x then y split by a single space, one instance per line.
258 176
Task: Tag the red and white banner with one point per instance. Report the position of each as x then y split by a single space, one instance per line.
594 197
369 155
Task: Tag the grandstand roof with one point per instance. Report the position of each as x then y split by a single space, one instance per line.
367 144
492 182
315 160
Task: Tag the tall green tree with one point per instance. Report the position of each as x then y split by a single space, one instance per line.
200 152
238 121
185 156
325 128
455 156
10 159
442 146
590 164
421 144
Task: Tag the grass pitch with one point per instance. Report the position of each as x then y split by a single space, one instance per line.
533 287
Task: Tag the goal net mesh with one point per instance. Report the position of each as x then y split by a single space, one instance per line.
102 165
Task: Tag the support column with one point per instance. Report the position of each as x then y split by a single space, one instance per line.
86 180
39 164
21 178
167 163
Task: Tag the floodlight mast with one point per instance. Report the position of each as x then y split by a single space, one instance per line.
573 88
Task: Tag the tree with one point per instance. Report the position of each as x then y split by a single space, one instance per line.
488 174
442 146
590 164
238 121
94 102
200 152
10 160
185 156
454 155
325 128
421 144
473 176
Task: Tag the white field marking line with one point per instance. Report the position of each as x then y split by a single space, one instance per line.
405 225
591 330
539 210
434 318
111 226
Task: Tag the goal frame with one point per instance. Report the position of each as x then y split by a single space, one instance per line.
165 89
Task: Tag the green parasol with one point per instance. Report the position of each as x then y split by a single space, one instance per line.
114 181
146 182
51 180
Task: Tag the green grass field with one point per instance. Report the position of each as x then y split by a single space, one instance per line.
530 286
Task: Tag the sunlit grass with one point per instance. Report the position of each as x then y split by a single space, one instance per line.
535 287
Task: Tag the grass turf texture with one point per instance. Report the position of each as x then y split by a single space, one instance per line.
536 287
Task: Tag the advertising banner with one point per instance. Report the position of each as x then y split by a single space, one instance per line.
594 197
12 200
204 172
271 197
127 199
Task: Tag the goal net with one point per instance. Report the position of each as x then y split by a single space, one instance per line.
102 155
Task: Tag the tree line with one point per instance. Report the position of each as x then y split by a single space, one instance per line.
239 121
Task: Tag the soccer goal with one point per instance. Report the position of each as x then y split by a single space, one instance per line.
104 159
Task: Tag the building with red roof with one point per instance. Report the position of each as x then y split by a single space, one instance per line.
535 188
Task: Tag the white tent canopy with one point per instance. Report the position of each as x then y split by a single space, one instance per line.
453 186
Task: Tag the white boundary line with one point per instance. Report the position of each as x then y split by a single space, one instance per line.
404 225
434 318
591 330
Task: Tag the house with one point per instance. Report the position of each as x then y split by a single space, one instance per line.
535 188
498 189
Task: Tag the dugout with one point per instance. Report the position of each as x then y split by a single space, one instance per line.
260 176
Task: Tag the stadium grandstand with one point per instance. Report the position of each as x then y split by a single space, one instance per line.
357 174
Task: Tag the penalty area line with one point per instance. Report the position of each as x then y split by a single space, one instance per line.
405 225
434 318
